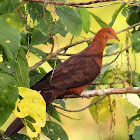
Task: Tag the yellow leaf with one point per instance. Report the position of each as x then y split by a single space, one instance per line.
8 41
32 108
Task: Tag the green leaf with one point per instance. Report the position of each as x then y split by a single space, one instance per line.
101 112
54 63
112 48
61 28
133 118
133 18
85 17
39 38
35 76
8 96
60 102
99 20
136 80
22 69
136 134
9 39
18 136
54 131
135 39
70 19
115 15
14 20
7 67
35 10
53 112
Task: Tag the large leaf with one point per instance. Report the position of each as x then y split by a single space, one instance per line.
8 6
136 134
115 15
8 96
70 19
101 111
135 38
128 108
32 108
85 17
54 131
21 69
99 20
9 39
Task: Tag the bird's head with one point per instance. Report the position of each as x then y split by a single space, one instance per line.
109 33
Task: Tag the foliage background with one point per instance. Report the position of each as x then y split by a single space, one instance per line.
86 128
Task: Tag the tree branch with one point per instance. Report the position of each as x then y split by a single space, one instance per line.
68 110
130 27
101 92
69 3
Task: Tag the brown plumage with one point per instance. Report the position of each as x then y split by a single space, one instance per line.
74 75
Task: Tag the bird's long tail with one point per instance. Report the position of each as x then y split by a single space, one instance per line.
17 124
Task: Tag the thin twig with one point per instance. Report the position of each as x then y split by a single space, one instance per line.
68 110
111 61
130 27
98 5
114 53
67 116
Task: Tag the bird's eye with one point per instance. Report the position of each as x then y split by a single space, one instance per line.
109 32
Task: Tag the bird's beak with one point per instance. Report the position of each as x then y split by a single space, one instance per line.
117 38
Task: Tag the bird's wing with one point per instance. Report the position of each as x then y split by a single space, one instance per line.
76 71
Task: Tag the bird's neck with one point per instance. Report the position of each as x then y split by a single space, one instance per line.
98 44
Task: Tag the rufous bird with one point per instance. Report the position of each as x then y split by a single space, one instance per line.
73 75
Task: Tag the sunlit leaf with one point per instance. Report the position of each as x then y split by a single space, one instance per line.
54 131
70 19
8 96
31 107
101 111
128 108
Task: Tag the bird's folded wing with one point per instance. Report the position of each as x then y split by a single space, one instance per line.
75 72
